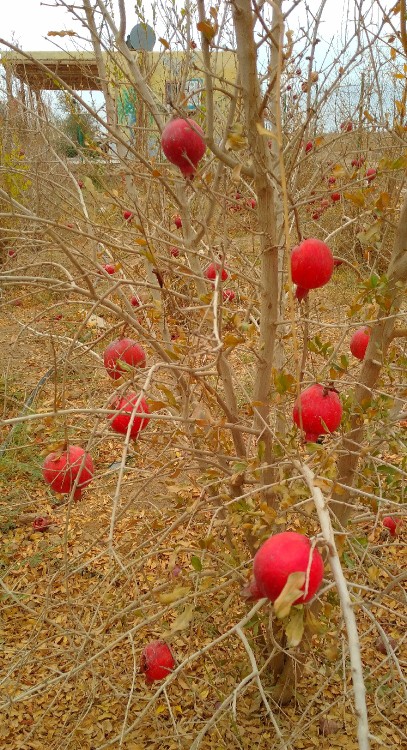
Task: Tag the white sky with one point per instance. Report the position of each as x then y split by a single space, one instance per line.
28 21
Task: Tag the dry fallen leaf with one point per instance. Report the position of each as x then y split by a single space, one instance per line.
290 593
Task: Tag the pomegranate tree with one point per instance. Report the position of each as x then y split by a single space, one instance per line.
123 351
183 144
359 342
125 407
157 661
62 468
312 264
317 411
281 555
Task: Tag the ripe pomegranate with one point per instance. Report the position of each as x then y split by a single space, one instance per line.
335 197
317 411
281 555
359 342
392 524
183 144
300 293
177 221
128 215
125 406
213 270
42 523
370 174
250 591
174 251
109 268
312 264
123 350
60 470
228 295
157 661
308 147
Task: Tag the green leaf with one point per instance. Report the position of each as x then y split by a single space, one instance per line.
261 450
196 563
283 382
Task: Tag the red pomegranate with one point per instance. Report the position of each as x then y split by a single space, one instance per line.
228 295
392 524
281 555
42 523
157 661
125 406
60 470
358 162
213 270
308 147
128 215
183 144
312 264
317 411
109 268
359 342
250 591
335 197
123 350
300 293
370 174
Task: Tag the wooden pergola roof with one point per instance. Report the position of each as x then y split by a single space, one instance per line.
78 70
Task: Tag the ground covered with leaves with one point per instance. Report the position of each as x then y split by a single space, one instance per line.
81 599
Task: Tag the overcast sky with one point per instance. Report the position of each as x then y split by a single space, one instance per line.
28 22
